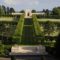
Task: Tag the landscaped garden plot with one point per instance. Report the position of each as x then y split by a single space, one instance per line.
54 23
7 33
7 27
25 30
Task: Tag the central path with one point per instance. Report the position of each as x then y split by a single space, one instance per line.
28 30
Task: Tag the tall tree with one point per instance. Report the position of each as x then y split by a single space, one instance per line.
1 11
47 12
44 10
33 11
4 10
7 10
11 10
22 11
56 11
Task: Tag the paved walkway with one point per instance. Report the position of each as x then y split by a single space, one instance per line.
2 58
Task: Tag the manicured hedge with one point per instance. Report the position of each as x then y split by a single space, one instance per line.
18 32
36 25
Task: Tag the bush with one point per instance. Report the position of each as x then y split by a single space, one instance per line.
13 58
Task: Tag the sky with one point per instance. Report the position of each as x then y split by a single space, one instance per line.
30 4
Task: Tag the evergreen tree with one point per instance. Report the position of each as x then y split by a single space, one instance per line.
11 10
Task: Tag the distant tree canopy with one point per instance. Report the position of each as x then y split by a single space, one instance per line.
47 12
5 10
11 10
22 11
33 11
56 11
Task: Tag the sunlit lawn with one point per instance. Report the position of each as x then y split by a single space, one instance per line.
52 20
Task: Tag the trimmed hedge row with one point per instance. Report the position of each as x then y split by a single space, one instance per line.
18 32
36 25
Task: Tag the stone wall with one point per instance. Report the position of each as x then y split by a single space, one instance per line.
28 49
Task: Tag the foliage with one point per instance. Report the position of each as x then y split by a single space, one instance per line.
1 11
11 10
33 11
38 31
13 58
1 48
4 49
47 12
37 26
22 11
56 11
18 32
49 27
5 10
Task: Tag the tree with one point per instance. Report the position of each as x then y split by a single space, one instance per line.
7 10
47 12
44 10
22 11
11 10
1 11
56 11
33 11
4 10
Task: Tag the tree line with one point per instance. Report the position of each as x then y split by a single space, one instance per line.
54 13
6 10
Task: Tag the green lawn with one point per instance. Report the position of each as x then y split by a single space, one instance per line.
52 20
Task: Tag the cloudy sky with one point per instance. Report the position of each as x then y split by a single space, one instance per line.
30 4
